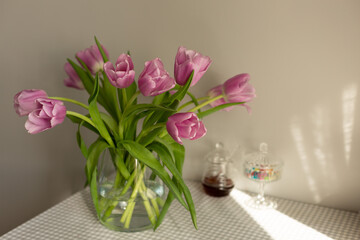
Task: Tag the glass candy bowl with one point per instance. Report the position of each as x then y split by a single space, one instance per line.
262 168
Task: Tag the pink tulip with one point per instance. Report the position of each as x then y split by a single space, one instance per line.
236 89
185 125
73 81
49 114
92 58
24 101
154 80
188 60
123 75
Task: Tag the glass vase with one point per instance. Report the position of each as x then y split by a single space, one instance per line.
132 204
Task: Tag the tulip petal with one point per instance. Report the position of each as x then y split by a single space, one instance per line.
187 61
173 131
92 58
185 125
123 76
51 113
154 80
25 101
201 131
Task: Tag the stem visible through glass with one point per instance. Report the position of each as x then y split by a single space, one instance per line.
261 192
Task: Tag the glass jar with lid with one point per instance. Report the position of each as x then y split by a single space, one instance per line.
216 180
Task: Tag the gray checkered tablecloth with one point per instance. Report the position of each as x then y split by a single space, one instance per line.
218 218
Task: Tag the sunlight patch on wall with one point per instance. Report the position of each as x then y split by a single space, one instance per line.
300 147
348 107
318 121
278 225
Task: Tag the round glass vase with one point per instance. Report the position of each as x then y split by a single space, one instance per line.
132 204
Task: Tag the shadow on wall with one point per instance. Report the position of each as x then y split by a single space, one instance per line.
324 160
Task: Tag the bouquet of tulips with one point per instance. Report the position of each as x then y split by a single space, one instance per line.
164 123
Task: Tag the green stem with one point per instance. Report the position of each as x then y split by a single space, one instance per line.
152 197
163 133
206 103
190 102
78 115
128 211
129 216
203 98
124 96
70 100
132 99
128 184
109 205
146 203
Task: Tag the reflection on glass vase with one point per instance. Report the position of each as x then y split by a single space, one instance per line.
128 204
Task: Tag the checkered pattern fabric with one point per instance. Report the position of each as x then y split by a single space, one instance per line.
218 218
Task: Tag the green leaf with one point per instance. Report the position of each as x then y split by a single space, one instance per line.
160 116
144 107
88 82
103 55
109 91
85 124
164 210
111 123
85 79
151 119
179 154
94 192
217 108
194 100
93 156
149 138
165 156
81 142
180 94
161 98
139 152
119 161
167 145
95 114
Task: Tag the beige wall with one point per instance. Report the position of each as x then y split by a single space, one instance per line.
303 56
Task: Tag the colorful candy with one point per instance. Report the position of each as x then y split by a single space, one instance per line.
262 173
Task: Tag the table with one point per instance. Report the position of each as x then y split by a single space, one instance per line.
218 218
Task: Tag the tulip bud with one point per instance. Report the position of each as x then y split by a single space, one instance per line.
235 89
154 80
92 58
185 125
187 61
238 89
73 81
49 114
24 101
123 75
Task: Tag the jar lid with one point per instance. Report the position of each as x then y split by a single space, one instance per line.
219 154
262 158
